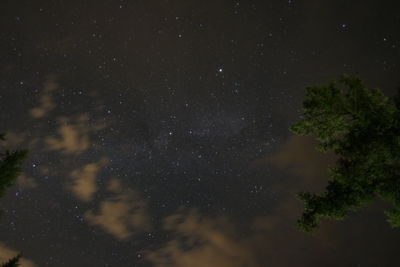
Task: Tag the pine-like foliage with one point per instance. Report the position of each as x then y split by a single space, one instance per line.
362 127
12 262
10 168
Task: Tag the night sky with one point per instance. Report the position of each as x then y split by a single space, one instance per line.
158 130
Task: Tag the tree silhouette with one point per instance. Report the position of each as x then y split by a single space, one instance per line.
10 168
12 262
362 127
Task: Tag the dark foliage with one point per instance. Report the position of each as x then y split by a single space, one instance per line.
362 127
10 168
12 262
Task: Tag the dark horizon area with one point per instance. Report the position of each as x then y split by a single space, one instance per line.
158 130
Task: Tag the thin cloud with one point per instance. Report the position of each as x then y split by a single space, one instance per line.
83 184
7 253
46 100
25 182
299 156
122 215
73 136
13 140
199 242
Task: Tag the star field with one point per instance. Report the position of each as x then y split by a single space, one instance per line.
158 131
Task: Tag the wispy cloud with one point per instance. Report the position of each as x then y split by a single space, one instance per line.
299 156
83 184
123 214
13 140
199 242
7 253
73 135
46 100
25 182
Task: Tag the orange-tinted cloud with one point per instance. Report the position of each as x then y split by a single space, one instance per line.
201 242
299 156
74 136
7 253
25 182
83 184
198 240
123 214
13 140
46 99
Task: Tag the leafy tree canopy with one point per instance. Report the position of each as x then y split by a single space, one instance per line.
362 127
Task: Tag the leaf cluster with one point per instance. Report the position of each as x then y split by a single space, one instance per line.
362 127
